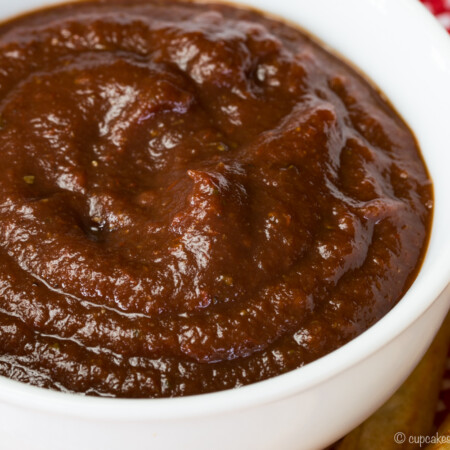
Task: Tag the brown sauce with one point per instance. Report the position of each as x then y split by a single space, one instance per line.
193 198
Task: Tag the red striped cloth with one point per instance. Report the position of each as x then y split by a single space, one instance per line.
441 9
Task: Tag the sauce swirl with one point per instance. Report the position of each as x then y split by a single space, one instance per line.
194 197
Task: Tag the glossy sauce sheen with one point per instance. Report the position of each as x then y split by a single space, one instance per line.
193 198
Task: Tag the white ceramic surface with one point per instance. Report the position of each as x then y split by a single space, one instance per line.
401 47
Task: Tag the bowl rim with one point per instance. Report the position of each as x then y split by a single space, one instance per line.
406 312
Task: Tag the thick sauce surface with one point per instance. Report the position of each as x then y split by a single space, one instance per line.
192 198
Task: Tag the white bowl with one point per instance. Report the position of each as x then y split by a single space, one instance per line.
403 49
